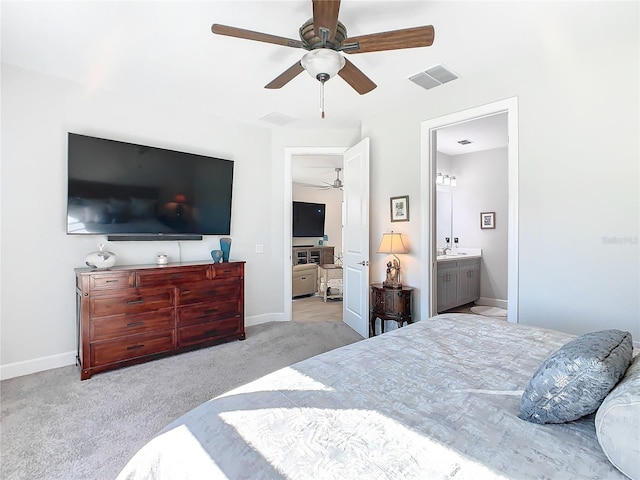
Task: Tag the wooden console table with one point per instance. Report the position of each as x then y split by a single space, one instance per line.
390 304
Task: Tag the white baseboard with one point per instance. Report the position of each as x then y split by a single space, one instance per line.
491 302
27 367
264 318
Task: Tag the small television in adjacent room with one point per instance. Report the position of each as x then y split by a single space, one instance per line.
308 219
137 192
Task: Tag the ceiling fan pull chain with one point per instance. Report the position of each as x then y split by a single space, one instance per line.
322 98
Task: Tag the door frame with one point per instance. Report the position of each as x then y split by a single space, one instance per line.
428 166
289 153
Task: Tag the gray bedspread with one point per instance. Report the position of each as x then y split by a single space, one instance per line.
438 399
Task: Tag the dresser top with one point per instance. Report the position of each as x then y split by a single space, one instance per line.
119 268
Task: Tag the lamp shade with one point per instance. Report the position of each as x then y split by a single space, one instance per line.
392 243
322 61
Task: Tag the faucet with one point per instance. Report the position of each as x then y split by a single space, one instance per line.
446 249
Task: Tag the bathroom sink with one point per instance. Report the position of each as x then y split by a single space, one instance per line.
451 255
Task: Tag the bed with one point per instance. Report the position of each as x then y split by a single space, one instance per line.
438 399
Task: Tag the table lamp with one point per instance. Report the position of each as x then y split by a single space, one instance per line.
392 243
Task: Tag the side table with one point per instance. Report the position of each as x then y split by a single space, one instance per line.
326 273
390 304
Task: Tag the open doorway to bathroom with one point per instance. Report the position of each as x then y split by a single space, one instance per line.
479 212
472 186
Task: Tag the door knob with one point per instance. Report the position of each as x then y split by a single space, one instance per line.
364 263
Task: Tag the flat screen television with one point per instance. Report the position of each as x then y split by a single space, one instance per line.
137 192
308 219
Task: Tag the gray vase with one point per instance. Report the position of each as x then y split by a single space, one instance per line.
216 255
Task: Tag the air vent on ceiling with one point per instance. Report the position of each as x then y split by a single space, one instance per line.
464 142
433 77
278 118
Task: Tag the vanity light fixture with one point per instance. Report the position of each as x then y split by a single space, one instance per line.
449 181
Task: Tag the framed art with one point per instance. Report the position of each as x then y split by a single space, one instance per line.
400 209
488 220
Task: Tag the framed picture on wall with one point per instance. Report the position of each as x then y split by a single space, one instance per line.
400 209
488 220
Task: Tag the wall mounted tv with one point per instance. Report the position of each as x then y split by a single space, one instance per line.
137 192
308 219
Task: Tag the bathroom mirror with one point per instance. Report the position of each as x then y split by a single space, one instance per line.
444 216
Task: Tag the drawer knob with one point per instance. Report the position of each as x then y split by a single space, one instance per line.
135 302
135 347
135 324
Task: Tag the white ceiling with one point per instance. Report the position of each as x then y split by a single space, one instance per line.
484 133
165 51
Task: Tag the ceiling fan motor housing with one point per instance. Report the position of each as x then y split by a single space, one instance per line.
312 41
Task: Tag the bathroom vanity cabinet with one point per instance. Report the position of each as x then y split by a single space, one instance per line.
458 282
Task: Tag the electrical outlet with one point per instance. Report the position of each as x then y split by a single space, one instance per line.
259 248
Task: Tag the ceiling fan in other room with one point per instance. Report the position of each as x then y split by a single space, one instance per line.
325 37
337 183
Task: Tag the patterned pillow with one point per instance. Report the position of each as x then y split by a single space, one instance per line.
618 423
573 381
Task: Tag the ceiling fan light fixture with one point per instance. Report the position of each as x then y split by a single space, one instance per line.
322 63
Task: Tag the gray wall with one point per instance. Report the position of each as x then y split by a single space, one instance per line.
483 187
38 326
578 232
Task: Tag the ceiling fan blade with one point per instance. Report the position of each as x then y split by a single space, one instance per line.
354 77
285 77
393 40
325 14
257 36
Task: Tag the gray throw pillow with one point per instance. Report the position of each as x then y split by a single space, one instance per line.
573 381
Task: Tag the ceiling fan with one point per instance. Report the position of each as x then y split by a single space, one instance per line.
337 183
324 36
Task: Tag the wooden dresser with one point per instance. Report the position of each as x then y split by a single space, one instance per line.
133 314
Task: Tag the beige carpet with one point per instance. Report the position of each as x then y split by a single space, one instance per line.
55 427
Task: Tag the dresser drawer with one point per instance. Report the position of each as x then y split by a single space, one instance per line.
227 270
104 328
207 331
206 312
138 301
211 291
111 281
172 276
126 348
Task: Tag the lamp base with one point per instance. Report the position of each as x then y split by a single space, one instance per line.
392 285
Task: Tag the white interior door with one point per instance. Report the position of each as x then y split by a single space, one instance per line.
355 256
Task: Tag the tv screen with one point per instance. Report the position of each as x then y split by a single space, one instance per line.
308 219
124 189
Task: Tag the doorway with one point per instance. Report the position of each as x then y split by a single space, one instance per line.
317 194
355 240
429 199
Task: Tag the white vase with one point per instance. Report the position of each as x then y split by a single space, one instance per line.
101 258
